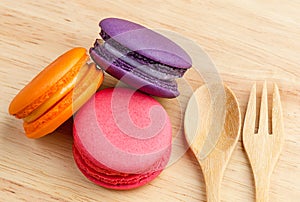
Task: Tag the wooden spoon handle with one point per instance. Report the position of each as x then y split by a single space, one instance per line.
213 180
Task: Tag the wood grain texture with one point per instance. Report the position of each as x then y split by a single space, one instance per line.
247 40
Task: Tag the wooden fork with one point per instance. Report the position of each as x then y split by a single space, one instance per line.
262 148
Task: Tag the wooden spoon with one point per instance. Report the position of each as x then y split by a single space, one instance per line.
201 117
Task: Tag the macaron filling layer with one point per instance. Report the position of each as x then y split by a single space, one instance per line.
149 69
111 59
138 62
50 102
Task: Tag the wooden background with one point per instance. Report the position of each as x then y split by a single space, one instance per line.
248 41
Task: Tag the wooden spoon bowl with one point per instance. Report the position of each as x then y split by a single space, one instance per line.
212 108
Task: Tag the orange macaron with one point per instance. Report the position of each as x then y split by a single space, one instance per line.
56 93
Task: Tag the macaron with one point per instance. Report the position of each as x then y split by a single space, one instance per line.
122 138
51 97
140 57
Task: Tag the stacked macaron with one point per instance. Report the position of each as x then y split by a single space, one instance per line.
122 137
49 99
140 57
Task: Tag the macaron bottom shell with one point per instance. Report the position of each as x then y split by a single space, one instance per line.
110 179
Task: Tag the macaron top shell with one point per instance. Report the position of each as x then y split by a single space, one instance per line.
48 78
124 130
145 42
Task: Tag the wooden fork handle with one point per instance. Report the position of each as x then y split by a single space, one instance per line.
262 187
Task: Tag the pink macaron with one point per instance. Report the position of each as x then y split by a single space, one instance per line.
122 138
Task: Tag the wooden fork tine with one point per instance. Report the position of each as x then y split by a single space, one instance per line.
249 122
263 126
277 120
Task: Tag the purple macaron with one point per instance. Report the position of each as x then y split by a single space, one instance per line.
140 57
